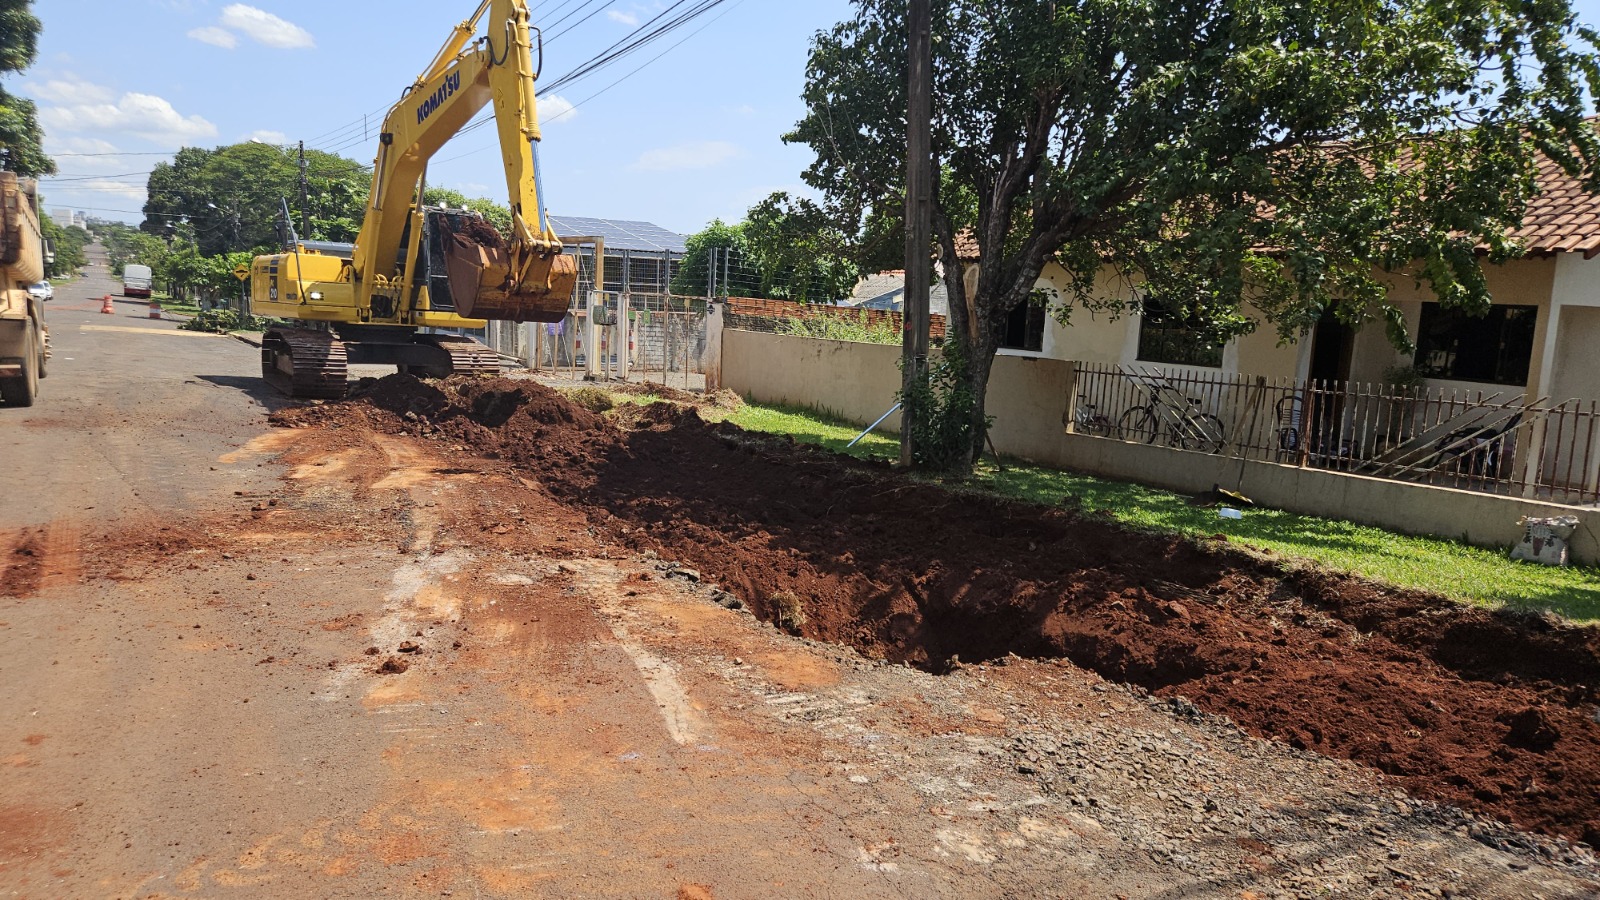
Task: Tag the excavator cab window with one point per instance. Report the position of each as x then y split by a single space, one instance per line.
437 226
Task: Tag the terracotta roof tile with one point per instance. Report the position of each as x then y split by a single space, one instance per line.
1563 218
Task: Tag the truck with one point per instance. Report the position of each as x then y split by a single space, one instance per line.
135 280
24 339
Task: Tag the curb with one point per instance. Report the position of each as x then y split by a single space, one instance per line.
246 337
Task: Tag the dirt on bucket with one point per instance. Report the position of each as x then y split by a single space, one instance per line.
1491 711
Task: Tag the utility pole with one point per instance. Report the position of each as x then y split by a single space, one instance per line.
919 219
305 196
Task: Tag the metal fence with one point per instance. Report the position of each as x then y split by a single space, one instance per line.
1501 442
663 340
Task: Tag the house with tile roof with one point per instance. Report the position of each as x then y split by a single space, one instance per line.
1536 340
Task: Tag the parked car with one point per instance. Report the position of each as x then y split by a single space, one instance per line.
44 290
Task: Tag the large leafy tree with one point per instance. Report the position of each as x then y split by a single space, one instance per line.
798 250
20 135
1241 161
233 196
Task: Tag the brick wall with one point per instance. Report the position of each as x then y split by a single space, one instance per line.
750 314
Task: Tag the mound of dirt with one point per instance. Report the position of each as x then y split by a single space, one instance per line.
1490 711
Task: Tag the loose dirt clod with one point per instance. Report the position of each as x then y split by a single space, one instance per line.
787 612
1486 710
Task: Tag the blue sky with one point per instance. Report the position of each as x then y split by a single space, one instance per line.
692 136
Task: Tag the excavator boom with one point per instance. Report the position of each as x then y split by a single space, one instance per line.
518 277
414 269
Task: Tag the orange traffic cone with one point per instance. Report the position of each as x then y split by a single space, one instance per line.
105 305
155 310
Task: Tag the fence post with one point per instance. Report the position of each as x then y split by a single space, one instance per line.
711 359
1069 418
624 335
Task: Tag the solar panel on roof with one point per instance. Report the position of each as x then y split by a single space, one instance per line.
621 234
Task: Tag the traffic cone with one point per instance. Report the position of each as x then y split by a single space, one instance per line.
155 310
105 305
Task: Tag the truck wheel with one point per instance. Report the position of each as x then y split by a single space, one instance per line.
42 345
21 390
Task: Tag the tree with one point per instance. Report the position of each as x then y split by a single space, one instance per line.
68 244
801 254
718 244
233 196
20 135
1241 163
497 214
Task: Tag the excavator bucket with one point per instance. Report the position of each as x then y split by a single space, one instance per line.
487 281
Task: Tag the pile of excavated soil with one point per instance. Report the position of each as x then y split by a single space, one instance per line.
1494 712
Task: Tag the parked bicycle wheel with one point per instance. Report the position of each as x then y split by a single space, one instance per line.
1139 424
1096 425
1203 432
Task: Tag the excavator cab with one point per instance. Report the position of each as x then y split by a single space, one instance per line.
491 278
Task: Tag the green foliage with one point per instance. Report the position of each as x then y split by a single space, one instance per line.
125 244
222 321
942 409
497 214
1247 164
841 327
799 252
19 35
20 135
694 272
230 198
68 244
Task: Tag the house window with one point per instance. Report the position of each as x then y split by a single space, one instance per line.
1495 348
1167 336
1024 328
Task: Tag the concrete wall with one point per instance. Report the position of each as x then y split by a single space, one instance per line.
856 382
1484 520
1028 398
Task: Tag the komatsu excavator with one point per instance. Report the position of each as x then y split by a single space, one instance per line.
414 267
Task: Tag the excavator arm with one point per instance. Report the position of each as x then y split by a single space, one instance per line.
517 277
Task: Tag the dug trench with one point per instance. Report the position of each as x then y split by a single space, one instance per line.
1491 711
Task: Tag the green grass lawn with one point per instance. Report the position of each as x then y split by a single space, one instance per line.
1469 574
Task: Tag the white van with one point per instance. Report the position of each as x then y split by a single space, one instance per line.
135 281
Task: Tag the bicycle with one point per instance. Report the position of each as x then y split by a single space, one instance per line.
1159 418
1087 419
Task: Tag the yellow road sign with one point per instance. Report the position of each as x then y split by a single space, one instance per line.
241 271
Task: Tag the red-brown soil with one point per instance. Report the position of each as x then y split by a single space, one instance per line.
1490 711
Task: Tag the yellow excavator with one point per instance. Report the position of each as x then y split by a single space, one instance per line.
414 267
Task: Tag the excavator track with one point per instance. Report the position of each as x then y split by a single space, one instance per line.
307 365
467 356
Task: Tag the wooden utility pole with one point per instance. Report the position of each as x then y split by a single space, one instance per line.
305 196
919 197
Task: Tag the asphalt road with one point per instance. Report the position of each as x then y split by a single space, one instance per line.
131 416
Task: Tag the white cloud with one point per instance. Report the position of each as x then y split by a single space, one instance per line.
691 155
624 18
267 136
555 108
131 190
265 28
216 37
142 115
71 89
